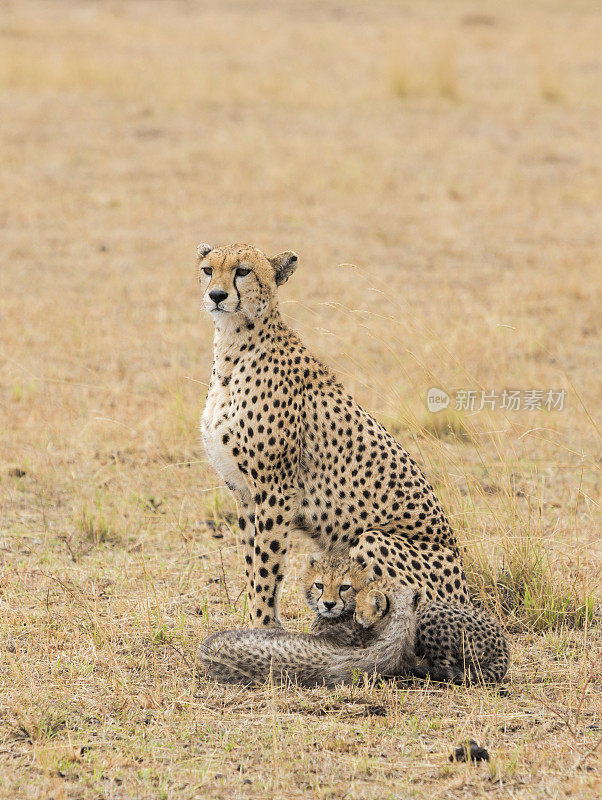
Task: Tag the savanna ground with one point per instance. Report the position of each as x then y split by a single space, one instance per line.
436 165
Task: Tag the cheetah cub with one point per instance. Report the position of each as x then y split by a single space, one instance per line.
251 656
453 642
330 585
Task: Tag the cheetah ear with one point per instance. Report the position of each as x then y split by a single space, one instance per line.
284 265
311 560
201 251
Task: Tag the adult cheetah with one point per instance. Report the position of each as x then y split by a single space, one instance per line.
299 453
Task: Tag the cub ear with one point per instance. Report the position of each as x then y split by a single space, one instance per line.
311 560
368 566
201 251
284 265
418 597
379 601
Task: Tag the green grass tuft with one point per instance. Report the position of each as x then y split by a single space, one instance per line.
526 592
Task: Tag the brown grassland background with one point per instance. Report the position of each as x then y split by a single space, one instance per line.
437 166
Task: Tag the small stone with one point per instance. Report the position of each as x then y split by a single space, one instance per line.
469 751
375 711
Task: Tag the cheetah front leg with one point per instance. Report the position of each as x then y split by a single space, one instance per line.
246 525
273 523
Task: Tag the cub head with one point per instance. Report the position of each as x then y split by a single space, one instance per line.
240 281
373 603
331 584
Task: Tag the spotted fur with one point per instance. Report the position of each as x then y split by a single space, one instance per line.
460 644
299 454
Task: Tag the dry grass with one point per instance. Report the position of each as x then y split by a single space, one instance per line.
417 140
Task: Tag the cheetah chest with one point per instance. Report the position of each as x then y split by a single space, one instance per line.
216 431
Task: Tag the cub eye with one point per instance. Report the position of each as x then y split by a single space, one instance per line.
242 271
319 585
345 587
208 270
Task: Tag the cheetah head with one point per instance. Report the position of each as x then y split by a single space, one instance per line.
240 280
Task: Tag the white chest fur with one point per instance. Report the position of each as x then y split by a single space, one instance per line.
216 430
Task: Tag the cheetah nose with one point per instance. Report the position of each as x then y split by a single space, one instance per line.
329 604
217 295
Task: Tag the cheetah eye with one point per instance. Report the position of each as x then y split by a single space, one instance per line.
241 272
208 270
319 585
345 587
